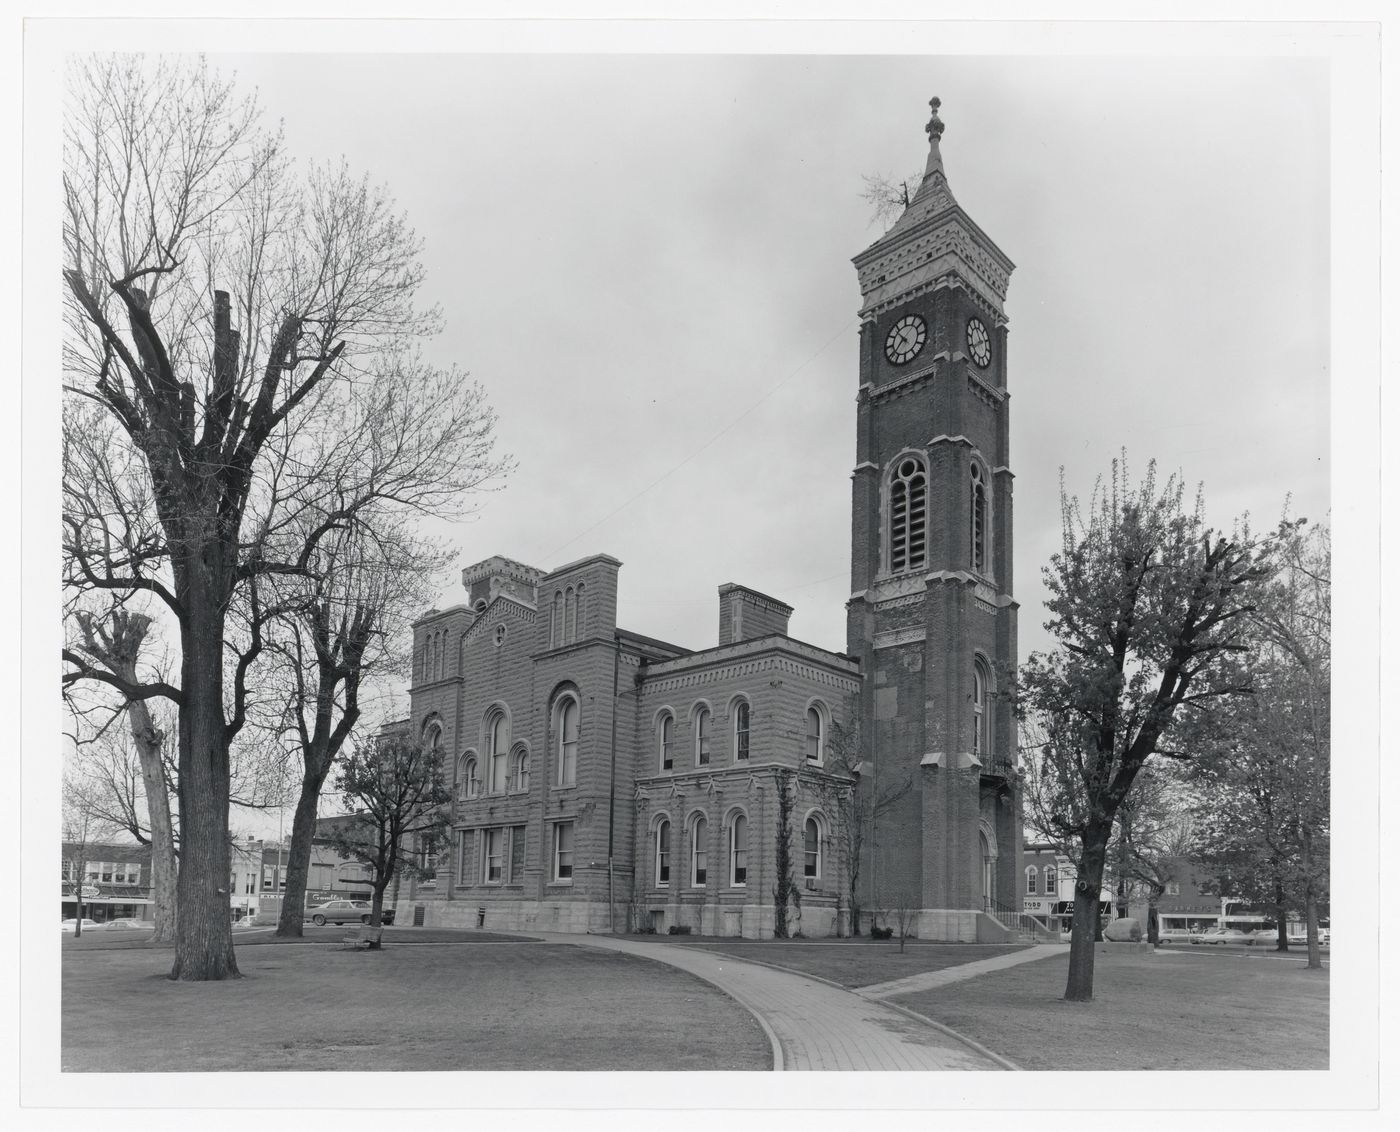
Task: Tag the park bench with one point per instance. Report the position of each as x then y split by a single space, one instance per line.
370 939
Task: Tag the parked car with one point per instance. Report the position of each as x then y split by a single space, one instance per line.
1176 935
112 925
1225 935
345 912
70 926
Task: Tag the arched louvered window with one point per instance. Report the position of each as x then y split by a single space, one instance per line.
1031 873
978 520
908 515
556 621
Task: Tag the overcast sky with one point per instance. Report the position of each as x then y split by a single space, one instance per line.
645 260
646 263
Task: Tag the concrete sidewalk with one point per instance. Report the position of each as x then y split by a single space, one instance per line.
928 980
811 1023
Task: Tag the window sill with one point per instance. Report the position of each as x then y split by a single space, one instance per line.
560 884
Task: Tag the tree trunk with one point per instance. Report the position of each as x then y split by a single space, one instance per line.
1153 931
1280 915
1079 987
1310 903
149 745
376 908
203 930
299 856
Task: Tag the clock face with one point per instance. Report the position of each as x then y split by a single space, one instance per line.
905 339
979 343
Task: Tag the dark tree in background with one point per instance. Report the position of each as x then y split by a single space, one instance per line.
398 795
1147 604
1266 768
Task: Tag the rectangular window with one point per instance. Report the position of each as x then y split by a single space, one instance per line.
106 872
250 883
67 869
517 854
564 850
93 870
1030 882
491 845
1173 888
269 878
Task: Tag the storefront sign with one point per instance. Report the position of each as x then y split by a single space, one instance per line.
91 891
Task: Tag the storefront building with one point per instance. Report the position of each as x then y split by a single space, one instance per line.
115 883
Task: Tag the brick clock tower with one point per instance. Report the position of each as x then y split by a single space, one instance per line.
931 617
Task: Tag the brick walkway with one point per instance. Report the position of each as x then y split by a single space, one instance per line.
812 1024
928 980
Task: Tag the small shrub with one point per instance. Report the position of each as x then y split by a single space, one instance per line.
678 929
881 933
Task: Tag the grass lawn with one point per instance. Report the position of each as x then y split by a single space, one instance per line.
1150 1011
854 962
535 1006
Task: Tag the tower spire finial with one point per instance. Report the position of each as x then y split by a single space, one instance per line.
934 129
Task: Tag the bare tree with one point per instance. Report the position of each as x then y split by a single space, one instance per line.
351 629
115 642
247 338
902 907
397 793
857 803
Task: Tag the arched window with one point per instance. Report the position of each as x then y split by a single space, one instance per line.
813 844
702 737
471 785
816 735
570 615
578 613
981 716
1050 887
665 735
741 730
1031 874
978 520
520 771
908 515
738 851
567 740
663 853
556 621
496 755
699 851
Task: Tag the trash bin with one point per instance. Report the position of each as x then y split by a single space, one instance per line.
481 917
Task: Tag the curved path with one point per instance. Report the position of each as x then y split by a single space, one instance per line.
813 1024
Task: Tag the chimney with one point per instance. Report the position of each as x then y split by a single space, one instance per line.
745 614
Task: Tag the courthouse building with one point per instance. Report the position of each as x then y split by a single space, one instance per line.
603 778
